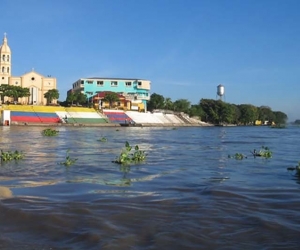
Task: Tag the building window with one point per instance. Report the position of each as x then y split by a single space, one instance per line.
113 84
3 57
128 84
90 82
2 69
100 83
8 58
32 78
82 82
89 93
16 83
7 69
140 83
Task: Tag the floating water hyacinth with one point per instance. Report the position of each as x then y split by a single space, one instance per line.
68 161
263 152
237 156
103 139
50 132
127 156
297 169
9 155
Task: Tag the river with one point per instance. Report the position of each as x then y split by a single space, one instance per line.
187 195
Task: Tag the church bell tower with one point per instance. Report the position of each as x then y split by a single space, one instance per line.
5 62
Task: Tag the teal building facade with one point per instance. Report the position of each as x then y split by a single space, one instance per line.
134 90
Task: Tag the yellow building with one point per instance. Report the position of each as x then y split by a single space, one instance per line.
37 83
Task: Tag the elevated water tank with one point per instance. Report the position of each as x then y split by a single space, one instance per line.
220 90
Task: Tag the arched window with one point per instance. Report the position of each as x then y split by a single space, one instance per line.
7 69
8 58
2 69
3 57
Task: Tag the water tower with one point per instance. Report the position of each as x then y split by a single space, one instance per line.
220 91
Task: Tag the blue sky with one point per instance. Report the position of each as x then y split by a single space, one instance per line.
186 48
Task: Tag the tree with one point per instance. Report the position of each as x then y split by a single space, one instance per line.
168 104
51 95
181 105
280 117
71 97
265 113
210 110
249 113
156 102
80 98
14 92
196 110
226 112
111 97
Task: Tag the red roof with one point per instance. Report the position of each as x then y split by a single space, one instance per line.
102 95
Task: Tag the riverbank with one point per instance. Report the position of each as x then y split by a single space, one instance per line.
201 124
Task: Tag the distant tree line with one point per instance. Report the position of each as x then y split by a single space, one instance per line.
219 112
208 110
16 92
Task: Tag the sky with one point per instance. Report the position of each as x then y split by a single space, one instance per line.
186 48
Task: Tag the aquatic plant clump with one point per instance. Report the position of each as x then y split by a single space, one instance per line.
237 156
9 155
50 132
68 160
297 168
128 156
103 139
263 152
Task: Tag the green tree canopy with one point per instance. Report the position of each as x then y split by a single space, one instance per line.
156 102
168 104
111 97
280 117
51 95
14 92
81 98
182 105
196 110
71 97
265 113
249 114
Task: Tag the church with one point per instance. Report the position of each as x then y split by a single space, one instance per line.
35 82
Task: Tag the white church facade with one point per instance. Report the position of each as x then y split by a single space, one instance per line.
35 82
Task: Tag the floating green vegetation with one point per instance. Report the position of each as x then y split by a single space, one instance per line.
297 168
50 132
263 152
103 139
237 156
68 161
128 156
10 155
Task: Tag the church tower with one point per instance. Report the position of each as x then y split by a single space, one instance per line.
5 62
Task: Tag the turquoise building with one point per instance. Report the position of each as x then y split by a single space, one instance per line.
137 91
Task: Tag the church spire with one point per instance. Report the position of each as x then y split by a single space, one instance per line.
5 61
